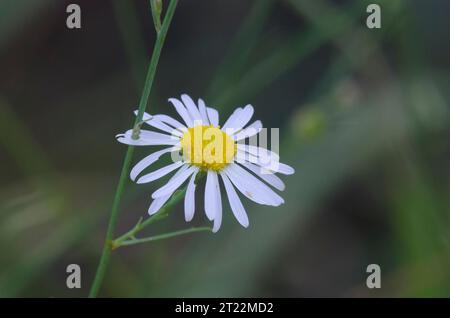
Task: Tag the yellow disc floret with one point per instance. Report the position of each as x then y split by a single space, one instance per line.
208 147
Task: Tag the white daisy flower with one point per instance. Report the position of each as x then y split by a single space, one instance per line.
202 145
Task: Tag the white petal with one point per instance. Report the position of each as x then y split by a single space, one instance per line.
157 123
156 205
257 151
249 131
252 187
210 197
240 120
266 175
145 116
203 113
232 118
147 161
243 118
161 172
283 168
268 162
213 200
213 116
265 162
189 199
170 121
191 107
162 126
235 202
242 156
182 111
159 202
147 138
174 183
243 187
218 216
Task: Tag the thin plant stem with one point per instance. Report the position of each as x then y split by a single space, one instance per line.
156 6
162 213
134 241
106 254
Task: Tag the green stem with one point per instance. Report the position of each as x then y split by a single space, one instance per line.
156 6
162 213
134 241
106 254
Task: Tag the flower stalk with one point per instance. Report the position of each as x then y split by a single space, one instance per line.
106 254
133 240
162 213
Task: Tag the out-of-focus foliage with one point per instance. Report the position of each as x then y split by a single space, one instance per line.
363 117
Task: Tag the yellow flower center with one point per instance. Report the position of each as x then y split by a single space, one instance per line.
208 147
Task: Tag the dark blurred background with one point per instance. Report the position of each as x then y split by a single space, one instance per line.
363 116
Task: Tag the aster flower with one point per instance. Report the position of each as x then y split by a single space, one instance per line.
200 144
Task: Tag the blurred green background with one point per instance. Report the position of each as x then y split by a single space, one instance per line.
363 116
